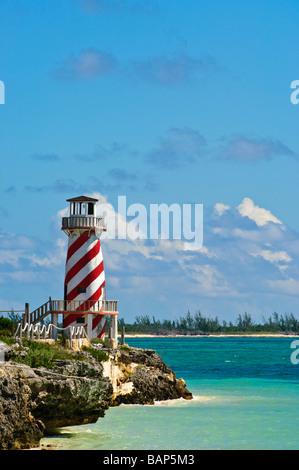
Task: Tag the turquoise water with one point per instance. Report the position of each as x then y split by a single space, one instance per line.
246 396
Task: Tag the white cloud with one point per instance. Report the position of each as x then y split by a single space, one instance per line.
29 250
259 215
207 280
178 148
220 208
286 286
252 148
169 71
62 213
54 259
25 276
220 231
274 256
11 257
90 63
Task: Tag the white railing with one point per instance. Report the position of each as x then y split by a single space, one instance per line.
29 331
39 331
83 221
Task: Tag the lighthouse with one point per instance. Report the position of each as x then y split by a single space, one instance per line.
84 284
84 307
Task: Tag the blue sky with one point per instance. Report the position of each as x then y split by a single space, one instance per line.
163 102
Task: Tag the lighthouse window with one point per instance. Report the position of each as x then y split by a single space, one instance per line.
81 290
80 320
90 208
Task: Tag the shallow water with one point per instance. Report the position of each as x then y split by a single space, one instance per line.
246 396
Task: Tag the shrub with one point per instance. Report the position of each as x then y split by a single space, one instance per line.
43 354
7 339
98 341
96 353
5 326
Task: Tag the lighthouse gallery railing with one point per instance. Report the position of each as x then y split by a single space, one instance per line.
82 221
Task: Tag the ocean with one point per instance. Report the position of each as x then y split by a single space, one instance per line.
246 396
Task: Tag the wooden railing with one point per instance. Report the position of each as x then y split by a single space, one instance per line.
40 313
94 306
109 305
101 307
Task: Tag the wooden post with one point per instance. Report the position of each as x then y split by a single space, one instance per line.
103 292
54 321
123 335
70 337
113 323
27 313
89 325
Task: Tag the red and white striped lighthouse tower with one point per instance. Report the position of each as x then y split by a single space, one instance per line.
84 271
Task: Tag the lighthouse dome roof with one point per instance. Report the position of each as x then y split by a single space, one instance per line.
82 199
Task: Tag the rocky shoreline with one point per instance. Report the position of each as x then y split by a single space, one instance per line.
72 392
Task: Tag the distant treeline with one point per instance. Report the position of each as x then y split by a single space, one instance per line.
190 324
199 324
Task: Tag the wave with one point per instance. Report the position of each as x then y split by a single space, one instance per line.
183 402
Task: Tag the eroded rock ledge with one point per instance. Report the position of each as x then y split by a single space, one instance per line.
33 401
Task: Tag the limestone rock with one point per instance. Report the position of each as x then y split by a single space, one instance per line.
77 392
32 400
140 376
18 427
